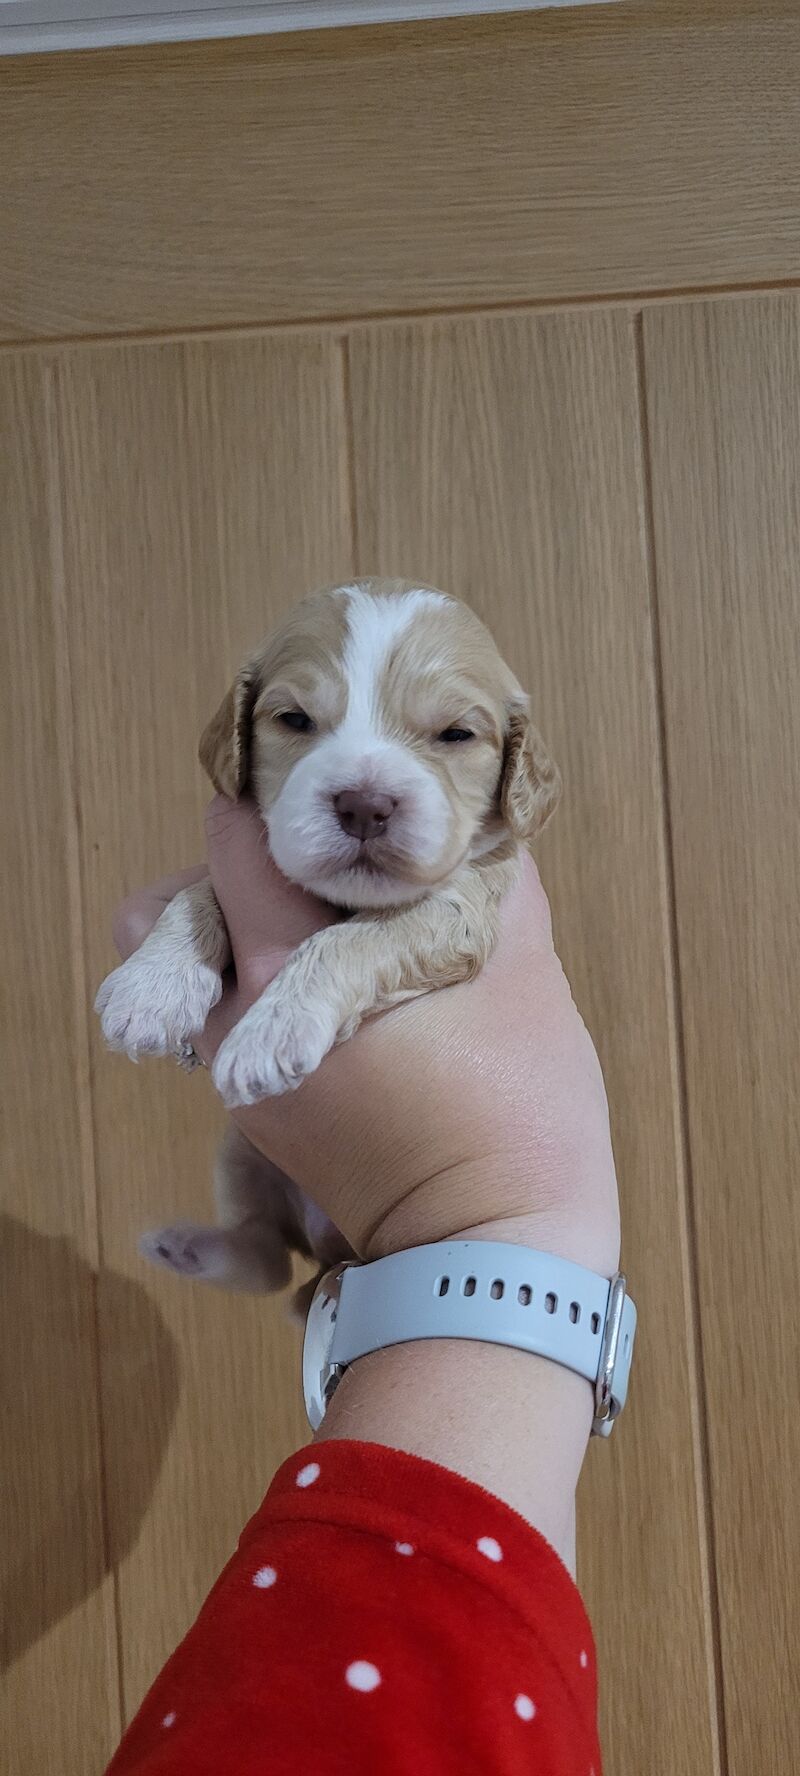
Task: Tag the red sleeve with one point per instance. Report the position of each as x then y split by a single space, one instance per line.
381 1617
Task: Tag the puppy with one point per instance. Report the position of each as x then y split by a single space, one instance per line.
391 754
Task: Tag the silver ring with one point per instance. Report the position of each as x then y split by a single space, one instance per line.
187 1058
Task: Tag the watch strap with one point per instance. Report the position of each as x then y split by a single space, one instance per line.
474 1289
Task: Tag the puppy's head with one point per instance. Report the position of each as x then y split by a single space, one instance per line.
385 741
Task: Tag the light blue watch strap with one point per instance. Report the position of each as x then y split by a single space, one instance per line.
476 1289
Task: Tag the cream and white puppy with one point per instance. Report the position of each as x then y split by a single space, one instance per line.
390 751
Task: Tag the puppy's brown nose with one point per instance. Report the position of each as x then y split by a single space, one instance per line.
363 814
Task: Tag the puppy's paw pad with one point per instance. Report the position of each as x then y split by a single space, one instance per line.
151 1008
189 1251
275 1047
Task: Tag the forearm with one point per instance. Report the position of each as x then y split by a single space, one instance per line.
513 1423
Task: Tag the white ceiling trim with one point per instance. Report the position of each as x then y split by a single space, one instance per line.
27 26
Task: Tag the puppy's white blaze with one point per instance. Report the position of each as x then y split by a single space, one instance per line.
373 627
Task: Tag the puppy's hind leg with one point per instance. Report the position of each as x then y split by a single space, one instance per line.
250 1249
253 1258
263 1218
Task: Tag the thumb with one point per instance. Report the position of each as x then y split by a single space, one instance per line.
267 916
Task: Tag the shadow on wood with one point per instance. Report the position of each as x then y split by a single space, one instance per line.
54 1546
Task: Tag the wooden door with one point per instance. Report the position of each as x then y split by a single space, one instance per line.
218 387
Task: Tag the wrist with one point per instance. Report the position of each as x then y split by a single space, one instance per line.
513 1423
514 1416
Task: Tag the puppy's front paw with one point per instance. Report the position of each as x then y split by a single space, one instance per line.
273 1048
147 1008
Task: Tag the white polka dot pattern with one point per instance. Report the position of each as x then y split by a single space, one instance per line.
363 1676
488 1546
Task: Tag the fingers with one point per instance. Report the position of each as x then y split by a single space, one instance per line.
264 913
135 917
526 919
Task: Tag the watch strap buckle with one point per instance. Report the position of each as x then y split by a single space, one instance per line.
607 1404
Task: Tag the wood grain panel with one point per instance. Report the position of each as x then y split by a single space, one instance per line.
204 488
501 459
551 156
722 396
56 1608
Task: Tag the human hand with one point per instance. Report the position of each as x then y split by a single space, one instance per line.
476 1111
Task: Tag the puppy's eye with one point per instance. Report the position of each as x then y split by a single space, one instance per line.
297 720
454 735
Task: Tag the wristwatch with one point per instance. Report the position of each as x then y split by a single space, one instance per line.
478 1289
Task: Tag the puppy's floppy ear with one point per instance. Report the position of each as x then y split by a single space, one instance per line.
225 744
530 784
